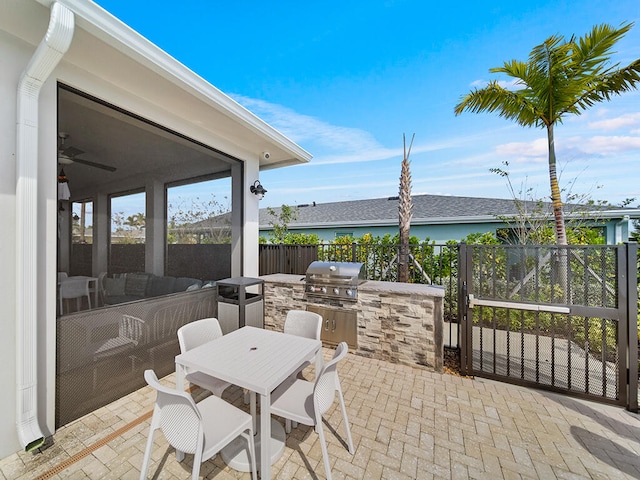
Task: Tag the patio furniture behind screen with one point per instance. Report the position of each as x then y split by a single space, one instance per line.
130 333
77 288
201 429
99 287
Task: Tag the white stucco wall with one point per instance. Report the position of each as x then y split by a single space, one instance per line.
13 54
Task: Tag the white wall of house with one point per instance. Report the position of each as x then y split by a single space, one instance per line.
14 54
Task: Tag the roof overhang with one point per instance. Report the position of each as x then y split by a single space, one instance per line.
173 85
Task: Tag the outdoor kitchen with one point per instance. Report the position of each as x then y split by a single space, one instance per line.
396 322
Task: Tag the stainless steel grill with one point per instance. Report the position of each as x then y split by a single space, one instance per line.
338 280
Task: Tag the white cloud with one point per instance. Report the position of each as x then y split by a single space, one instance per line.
301 128
332 144
604 145
608 124
521 150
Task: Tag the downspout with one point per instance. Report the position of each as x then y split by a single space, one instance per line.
46 57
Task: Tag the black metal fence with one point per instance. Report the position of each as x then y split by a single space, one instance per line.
559 318
429 264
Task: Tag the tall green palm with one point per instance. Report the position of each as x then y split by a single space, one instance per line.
561 77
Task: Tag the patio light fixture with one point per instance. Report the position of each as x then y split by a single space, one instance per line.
257 189
63 186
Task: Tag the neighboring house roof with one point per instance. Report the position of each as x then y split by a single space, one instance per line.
427 209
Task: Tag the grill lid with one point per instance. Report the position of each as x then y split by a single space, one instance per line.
353 271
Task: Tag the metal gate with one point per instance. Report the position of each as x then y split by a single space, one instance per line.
557 318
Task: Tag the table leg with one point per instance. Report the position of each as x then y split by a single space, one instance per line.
265 433
252 409
319 362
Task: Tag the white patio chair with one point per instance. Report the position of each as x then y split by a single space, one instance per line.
305 402
305 324
77 288
193 335
130 333
99 287
201 429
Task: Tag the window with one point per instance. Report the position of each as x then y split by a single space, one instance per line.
81 258
127 233
199 230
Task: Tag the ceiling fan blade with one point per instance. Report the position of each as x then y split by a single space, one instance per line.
94 164
70 151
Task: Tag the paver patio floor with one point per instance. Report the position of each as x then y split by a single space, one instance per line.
407 423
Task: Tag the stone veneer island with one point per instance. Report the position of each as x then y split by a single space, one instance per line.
396 322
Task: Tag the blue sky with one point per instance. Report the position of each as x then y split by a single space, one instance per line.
345 80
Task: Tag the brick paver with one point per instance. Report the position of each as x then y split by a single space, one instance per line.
406 423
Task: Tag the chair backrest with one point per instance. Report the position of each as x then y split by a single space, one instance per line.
303 324
177 416
327 382
196 333
74 288
132 328
101 278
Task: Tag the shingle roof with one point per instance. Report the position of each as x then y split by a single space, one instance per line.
385 210
428 208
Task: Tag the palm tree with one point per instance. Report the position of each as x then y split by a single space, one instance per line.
404 213
561 77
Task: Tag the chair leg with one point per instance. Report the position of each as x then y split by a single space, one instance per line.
287 425
147 455
346 423
252 453
197 461
323 445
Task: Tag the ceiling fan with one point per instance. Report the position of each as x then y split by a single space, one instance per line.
68 155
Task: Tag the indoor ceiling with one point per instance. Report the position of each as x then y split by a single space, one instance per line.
135 148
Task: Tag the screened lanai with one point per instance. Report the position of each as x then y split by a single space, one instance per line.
134 190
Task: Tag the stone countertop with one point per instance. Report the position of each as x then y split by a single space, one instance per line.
368 286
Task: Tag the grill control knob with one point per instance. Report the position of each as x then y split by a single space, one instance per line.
349 293
312 288
336 291
323 289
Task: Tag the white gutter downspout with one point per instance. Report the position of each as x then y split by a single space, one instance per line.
46 57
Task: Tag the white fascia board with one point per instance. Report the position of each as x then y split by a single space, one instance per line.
389 222
596 215
101 24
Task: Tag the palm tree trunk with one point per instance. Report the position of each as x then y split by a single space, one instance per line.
556 199
405 206
562 263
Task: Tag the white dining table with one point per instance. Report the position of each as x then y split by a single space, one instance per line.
252 358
